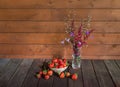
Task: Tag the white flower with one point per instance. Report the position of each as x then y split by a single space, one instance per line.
67 39
62 42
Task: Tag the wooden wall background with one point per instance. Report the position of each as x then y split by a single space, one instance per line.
33 28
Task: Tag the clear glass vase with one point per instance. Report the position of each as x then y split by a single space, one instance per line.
76 58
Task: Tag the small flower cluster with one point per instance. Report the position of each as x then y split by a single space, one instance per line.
78 37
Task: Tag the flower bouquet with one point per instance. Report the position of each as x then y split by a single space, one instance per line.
77 38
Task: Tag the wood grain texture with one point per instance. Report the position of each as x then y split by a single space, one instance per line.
30 78
114 71
53 27
54 38
57 82
102 74
111 57
79 81
20 74
9 71
34 28
3 63
95 73
89 77
92 50
58 15
118 63
60 4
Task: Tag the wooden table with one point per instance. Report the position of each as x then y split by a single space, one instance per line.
93 73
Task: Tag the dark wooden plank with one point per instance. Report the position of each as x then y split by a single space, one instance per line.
58 82
9 71
89 76
102 74
79 81
3 62
31 80
20 73
46 83
118 62
114 71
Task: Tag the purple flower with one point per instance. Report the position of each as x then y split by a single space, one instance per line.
87 32
71 34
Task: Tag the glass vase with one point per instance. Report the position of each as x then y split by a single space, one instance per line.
76 58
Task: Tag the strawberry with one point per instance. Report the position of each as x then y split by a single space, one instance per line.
74 76
40 72
67 74
64 60
38 76
50 72
62 75
57 67
64 65
44 72
51 65
60 60
55 60
60 66
47 77
61 63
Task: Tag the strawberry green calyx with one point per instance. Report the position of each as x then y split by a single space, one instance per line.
76 74
44 72
38 76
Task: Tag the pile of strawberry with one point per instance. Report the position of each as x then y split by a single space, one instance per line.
46 73
58 63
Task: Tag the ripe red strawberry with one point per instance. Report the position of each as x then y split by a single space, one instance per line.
40 72
74 76
38 76
67 74
44 72
51 65
55 60
50 72
64 65
61 63
57 67
60 66
60 60
62 75
64 60
47 77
